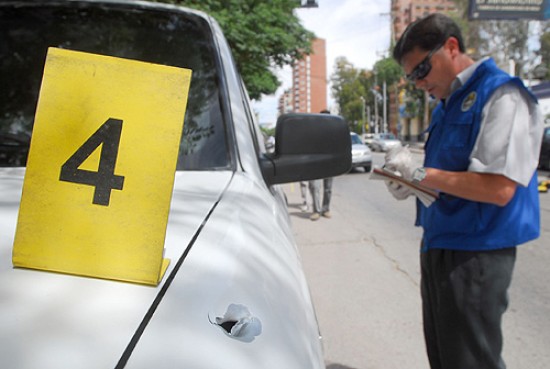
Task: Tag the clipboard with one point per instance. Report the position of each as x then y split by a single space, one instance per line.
424 194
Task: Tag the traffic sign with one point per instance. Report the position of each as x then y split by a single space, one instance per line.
508 9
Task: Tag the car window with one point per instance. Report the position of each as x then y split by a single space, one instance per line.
355 140
169 38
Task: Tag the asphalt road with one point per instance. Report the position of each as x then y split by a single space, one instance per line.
363 271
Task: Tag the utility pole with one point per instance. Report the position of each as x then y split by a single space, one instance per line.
363 104
368 118
385 108
376 94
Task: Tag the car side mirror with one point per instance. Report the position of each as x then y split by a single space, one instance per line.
307 147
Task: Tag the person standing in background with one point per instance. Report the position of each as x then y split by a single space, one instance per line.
321 209
303 191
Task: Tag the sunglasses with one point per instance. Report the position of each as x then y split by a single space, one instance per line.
423 68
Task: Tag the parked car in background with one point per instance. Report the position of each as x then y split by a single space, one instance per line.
544 159
361 155
234 294
367 139
384 142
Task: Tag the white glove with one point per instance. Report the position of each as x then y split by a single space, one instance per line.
399 192
400 160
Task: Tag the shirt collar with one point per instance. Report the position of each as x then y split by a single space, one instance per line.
465 75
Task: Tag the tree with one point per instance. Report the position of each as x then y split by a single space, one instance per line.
388 70
471 30
354 89
262 35
348 87
545 52
504 40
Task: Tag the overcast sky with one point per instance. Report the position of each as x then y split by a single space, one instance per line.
356 29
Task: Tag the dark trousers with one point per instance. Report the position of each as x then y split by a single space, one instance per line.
315 188
464 295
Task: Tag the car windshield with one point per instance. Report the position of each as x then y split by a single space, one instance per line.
170 38
355 140
387 136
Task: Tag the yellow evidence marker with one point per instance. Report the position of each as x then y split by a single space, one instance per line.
101 166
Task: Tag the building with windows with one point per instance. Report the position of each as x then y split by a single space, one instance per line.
285 102
404 12
309 83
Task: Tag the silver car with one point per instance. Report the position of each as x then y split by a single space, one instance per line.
361 156
367 138
385 142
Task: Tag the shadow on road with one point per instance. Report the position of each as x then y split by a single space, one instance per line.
339 366
294 210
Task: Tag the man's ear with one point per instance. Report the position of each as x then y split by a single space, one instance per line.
452 45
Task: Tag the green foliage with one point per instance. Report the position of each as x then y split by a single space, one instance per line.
355 89
501 39
262 35
388 70
414 101
349 87
268 131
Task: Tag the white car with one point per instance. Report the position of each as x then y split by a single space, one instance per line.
234 294
385 142
361 156
367 138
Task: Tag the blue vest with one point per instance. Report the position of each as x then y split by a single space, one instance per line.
455 223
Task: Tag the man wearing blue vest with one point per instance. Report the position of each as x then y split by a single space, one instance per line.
481 156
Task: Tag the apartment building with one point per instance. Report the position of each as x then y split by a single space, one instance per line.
309 83
404 12
285 102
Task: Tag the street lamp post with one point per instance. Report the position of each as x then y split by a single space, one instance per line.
385 109
309 4
363 105
369 118
376 98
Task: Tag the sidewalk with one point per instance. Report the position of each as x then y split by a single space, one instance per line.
368 309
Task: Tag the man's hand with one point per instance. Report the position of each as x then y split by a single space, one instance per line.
399 192
400 160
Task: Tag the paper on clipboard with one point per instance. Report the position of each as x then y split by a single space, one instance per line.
426 195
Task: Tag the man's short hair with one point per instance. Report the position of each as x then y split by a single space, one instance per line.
427 33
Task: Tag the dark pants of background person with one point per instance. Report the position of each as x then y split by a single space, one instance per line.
315 189
464 294
303 192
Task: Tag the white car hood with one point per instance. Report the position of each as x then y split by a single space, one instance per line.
55 320
242 255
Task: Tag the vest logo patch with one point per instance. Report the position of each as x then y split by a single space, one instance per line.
469 101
